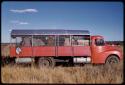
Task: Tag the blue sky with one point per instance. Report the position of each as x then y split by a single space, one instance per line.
100 18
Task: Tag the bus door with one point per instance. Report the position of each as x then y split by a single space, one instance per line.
81 45
64 45
23 46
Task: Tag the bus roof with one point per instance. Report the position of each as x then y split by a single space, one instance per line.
48 32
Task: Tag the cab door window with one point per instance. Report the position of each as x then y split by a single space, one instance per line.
99 42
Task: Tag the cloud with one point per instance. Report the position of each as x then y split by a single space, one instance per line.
24 10
23 23
19 22
14 21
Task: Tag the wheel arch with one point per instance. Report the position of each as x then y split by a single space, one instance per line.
112 55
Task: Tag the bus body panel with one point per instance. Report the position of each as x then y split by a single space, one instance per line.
64 51
25 51
51 51
44 51
81 51
12 51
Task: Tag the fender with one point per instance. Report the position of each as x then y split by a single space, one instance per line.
101 58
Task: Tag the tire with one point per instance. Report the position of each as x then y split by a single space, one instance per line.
112 60
8 61
11 62
48 62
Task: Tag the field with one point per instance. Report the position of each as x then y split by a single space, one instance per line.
87 74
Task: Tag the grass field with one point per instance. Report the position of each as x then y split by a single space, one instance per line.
85 74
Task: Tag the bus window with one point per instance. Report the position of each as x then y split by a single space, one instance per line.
64 40
74 40
50 40
67 41
13 41
80 40
18 41
38 40
26 41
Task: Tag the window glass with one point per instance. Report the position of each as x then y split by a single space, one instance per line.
50 40
26 41
13 40
18 41
80 40
99 42
44 40
64 40
39 40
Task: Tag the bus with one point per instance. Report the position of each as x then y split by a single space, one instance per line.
46 47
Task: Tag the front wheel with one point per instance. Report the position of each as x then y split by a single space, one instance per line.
46 62
112 59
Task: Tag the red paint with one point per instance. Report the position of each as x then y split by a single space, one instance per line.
98 53
44 51
81 50
64 51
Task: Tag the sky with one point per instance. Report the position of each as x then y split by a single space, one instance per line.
100 18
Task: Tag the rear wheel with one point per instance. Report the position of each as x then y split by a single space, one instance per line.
8 61
46 62
112 59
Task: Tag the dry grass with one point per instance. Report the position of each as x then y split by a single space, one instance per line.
86 74
5 50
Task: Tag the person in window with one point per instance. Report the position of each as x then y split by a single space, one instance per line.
37 41
67 42
74 42
22 42
26 41
51 41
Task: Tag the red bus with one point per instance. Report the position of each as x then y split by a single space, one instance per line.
45 47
